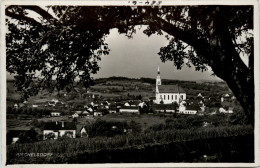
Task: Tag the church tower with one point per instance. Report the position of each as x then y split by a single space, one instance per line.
158 80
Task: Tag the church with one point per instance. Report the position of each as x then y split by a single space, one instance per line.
167 94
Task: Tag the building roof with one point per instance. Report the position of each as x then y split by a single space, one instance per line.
58 126
170 89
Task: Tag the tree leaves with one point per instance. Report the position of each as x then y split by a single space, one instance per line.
56 51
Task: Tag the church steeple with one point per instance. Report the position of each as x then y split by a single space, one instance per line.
158 80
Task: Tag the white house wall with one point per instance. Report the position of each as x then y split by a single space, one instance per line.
169 98
129 110
62 132
58 133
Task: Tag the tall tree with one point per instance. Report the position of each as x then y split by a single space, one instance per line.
67 44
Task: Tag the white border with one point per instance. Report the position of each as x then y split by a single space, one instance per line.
122 3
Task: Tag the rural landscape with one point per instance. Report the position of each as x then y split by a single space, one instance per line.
101 127
78 93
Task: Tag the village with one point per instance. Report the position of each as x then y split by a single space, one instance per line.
61 117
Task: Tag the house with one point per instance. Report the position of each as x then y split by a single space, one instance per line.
83 132
98 113
14 134
161 108
112 110
222 110
228 110
35 106
51 104
105 104
75 115
167 94
85 112
55 114
15 106
127 104
190 111
55 101
142 104
108 103
134 103
21 105
129 109
54 130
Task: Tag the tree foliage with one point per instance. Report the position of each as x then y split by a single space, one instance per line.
54 50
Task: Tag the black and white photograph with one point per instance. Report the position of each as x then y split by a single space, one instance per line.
128 83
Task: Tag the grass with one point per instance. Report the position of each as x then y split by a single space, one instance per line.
15 124
69 148
146 120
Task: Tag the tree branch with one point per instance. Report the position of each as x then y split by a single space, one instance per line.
21 17
40 11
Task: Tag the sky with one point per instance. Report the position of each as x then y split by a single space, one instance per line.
137 57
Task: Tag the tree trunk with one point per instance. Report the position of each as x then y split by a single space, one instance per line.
227 64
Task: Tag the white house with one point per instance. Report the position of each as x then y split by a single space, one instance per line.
127 104
59 129
98 113
83 132
15 106
190 111
55 101
55 114
228 111
129 109
168 94
142 104
75 115
222 110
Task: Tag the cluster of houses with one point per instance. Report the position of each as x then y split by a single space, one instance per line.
168 99
52 130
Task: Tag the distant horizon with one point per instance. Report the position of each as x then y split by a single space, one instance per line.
138 57
213 80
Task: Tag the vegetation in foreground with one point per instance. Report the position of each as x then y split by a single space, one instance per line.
68 150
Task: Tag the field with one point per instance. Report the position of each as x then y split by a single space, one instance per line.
222 144
146 120
17 124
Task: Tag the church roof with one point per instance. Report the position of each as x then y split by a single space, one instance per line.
170 89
